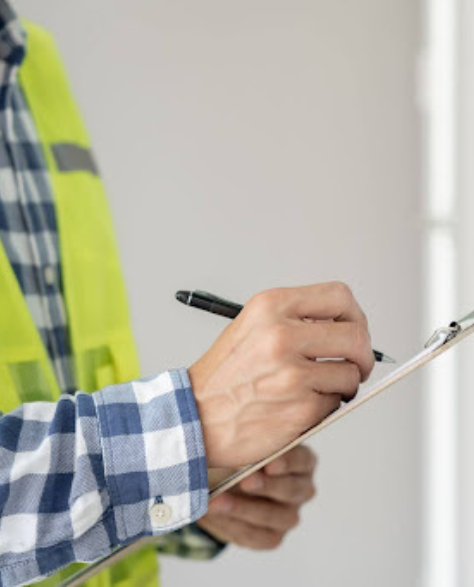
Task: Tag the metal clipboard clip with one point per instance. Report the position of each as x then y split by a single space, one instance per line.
447 333
444 334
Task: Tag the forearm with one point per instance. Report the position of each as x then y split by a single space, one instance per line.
82 475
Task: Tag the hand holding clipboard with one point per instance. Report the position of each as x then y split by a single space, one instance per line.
441 341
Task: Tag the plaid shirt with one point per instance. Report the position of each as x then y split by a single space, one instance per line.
28 226
87 473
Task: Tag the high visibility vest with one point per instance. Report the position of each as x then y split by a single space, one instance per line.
101 337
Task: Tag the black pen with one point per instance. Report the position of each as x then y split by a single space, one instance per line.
217 305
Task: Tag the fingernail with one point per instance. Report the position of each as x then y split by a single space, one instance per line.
222 504
253 483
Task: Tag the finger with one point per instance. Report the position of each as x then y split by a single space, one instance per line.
262 512
327 301
221 504
314 409
346 340
341 377
241 533
300 459
289 489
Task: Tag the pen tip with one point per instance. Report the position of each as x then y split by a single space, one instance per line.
182 296
387 359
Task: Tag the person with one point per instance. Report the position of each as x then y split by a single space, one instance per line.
92 455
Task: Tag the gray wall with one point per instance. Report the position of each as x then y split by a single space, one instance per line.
259 143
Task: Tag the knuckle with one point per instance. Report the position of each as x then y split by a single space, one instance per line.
292 378
299 494
342 292
278 340
293 519
310 492
308 454
313 457
260 303
266 301
309 460
303 494
273 541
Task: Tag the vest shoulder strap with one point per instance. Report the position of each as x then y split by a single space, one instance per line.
54 108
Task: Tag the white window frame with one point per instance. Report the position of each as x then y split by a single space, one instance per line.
440 93
465 40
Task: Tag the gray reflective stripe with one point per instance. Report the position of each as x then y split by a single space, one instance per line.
71 157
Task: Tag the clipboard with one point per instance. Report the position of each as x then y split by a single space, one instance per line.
440 342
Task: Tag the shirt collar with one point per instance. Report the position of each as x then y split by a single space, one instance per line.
12 35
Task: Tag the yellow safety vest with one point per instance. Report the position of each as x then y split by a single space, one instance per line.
101 337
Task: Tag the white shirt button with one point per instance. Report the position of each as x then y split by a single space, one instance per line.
160 514
49 275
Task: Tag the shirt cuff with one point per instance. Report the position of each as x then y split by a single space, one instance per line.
154 457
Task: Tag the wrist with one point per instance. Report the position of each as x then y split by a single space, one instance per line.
213 410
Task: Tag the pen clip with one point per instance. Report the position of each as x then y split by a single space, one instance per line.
446 333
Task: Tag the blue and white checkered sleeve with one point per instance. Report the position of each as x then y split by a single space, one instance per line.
87 473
